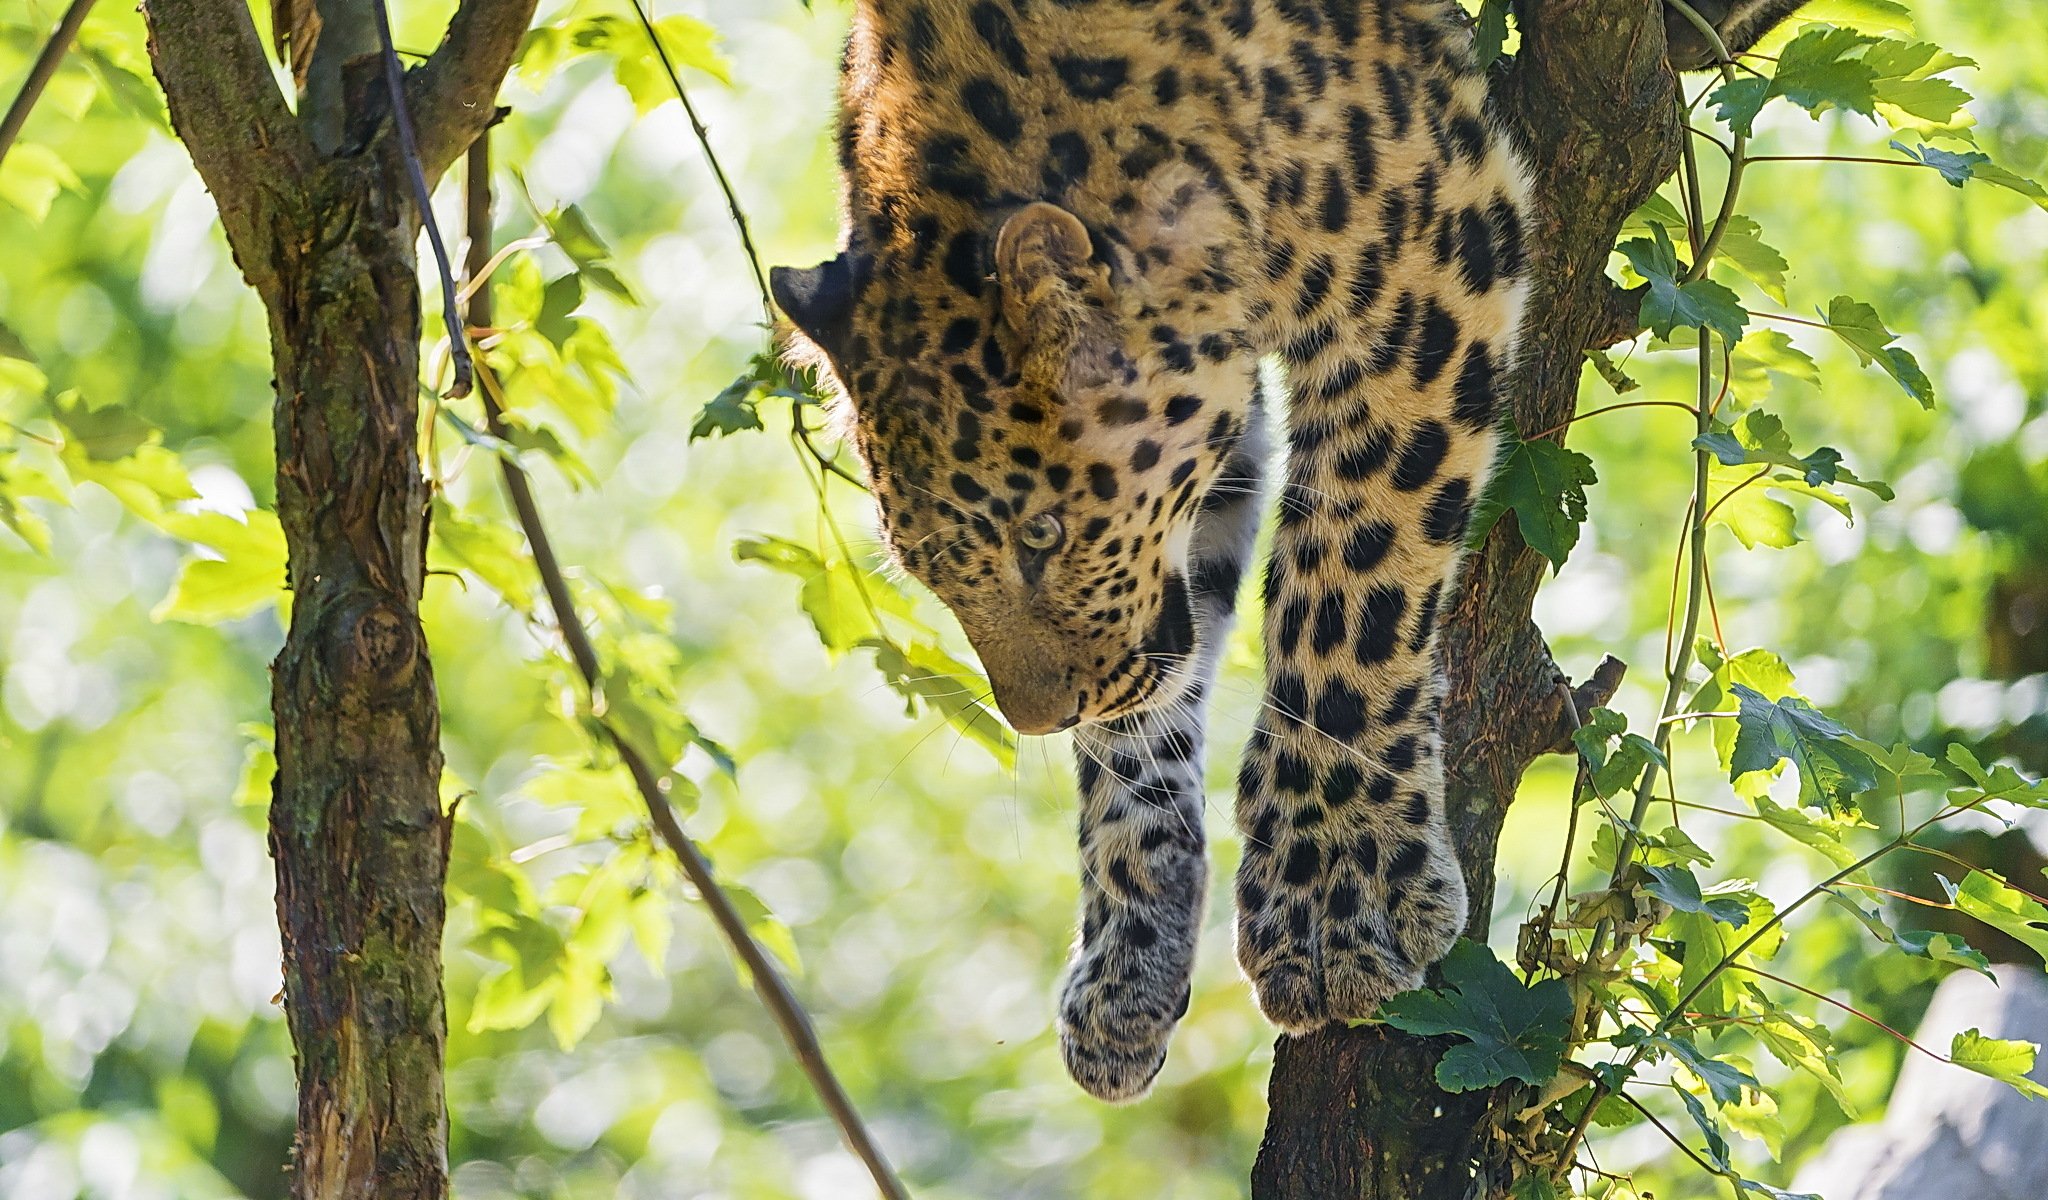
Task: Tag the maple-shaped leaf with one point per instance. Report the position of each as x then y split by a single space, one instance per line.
1858 324
1672 304
1961 166
2006 1061
1832 771
1511 1029
1544 485
1986 896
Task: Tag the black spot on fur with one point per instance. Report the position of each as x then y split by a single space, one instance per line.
1379 624
1088 78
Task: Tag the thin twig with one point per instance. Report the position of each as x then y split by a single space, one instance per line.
782 1004
1677 1141
423 196
1594 412
40 73
732 199
1851 1009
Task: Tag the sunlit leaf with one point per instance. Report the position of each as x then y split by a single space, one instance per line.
2009 1062
1832 771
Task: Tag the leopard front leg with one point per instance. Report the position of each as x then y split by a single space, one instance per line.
1349 889
1143 875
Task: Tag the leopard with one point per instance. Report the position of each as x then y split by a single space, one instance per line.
1100 262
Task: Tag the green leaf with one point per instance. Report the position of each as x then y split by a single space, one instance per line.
1997 782
31 177
494 553
1670 303
1989 898
831 596
558 303
2006 1061
1677 887
1491 33
1738 102
1920 943
1511 1030
1717 1142
1724 1081
240 570
730 411
923 671
1817 72
1803 1045
1609 769
574 235
1534 1186
1832 771
1821 831
1763 354
1544 485
1760 439
1743 247
1858 325
1754 1114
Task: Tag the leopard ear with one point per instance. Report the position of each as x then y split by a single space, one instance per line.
1050 280
819 300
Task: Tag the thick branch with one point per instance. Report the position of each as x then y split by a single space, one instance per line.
224 101
227 110
454 96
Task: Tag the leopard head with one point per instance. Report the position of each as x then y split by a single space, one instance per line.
1040 417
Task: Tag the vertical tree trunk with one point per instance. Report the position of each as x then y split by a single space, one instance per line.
1356 1113
326 234
356 824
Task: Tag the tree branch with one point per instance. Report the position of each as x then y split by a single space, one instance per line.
226 108
454 95
1621 318
40 71
224 102
776 996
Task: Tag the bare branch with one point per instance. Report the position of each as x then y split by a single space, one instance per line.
782 1004
454 96
40 71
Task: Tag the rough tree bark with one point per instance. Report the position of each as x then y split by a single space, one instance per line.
1356 1113
324 231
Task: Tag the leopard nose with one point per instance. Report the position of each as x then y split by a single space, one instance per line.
1038 710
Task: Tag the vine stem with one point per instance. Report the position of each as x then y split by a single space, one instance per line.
732 198
776 996
1680 660
40 73
423 197
1704 253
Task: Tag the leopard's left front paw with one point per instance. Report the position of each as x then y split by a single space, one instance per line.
1332 941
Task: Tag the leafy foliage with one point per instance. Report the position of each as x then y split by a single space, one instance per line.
1544 485
1511 1030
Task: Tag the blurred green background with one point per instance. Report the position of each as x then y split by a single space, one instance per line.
929 887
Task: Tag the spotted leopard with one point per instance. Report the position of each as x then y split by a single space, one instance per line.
1073 230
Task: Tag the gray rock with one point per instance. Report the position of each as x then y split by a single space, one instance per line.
1951 1134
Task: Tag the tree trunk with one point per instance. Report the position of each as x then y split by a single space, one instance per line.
326 234
1356 1113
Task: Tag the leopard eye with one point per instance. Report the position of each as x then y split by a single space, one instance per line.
1041 533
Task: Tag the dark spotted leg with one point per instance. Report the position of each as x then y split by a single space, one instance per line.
1349 888
1143 875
